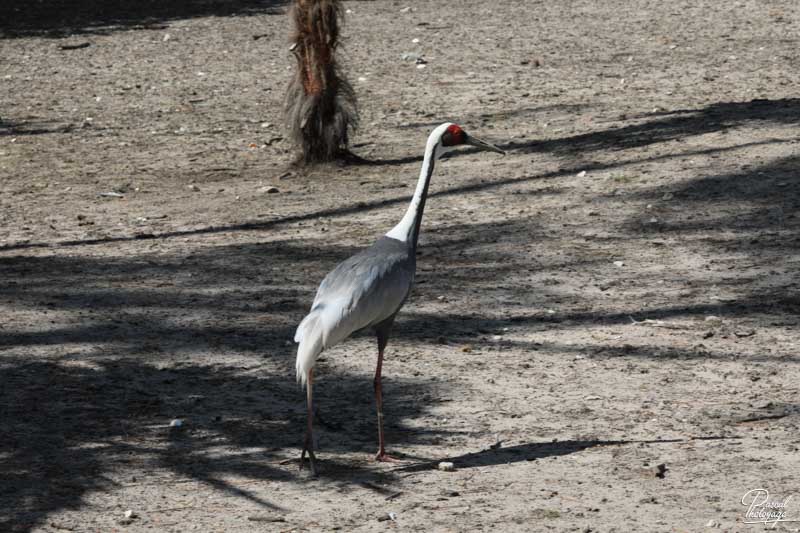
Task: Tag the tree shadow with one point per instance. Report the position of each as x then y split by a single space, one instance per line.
669 126
761 198
61 18
68 430
15 129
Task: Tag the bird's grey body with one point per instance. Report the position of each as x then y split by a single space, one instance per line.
369 288
363 291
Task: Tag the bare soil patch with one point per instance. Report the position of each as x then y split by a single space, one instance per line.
619 292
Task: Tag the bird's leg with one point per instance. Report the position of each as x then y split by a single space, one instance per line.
308 446
381 455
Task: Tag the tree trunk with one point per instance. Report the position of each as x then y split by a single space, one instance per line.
320 105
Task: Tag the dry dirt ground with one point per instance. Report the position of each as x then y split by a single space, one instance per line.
619 292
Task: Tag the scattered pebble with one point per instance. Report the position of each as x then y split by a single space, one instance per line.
269 189
744 332
194 187
176 423
446 466
582 174
659 470
388 516
127 518
619 263
712 523
415 40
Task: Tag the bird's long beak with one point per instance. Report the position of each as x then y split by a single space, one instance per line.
483 145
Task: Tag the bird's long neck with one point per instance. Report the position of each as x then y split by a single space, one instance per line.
408 228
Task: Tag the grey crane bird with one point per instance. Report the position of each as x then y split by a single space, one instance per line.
368 289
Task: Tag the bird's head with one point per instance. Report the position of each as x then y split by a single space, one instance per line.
449 136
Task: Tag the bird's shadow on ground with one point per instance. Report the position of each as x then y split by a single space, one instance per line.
502 455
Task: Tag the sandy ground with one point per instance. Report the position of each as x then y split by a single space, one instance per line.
619 292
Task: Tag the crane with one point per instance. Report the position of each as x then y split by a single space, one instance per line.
369 288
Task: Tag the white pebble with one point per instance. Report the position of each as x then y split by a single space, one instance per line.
446 466
176 423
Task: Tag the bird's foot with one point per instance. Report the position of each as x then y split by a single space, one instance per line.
312 460
383 457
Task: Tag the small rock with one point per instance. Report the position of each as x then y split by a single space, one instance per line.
712 523
446 466
410 56
744 332
421 66
128 518
194 187
659 470
407 10
176 423
667 196
269 189
415 40
712 318
266 124
708 334
591 398
582 174
619 263
166 37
